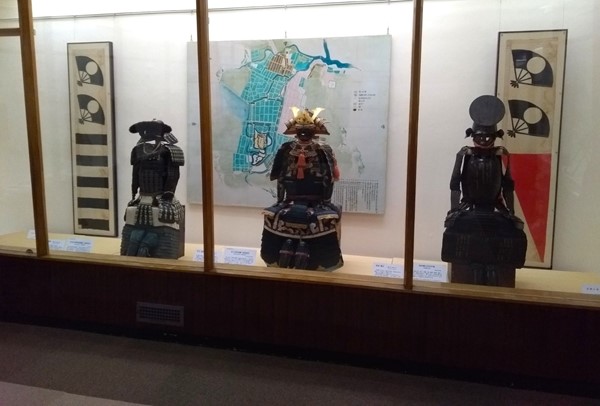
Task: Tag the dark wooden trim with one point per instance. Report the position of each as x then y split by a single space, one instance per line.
10 32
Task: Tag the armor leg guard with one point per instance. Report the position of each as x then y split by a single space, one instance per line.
286 254
147 245
135 239
170 243
478 274
321 253
301 256
491 275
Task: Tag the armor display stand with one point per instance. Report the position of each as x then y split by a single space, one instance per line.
484 241
154 218
302 230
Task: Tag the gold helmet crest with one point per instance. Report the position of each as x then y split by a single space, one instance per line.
306 119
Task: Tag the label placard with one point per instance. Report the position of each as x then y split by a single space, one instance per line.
388 270
57 245
590 289
240 256
430 272
199 256
79 245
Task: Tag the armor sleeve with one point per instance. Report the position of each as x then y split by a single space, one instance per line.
279 168
331 161
508 184
172 178
134 155
135 180
456 178
327 158
135 173
456 171
279 161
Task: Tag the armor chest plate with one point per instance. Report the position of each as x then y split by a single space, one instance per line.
312 181
482 178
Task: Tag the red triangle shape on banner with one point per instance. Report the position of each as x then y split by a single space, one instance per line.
531 173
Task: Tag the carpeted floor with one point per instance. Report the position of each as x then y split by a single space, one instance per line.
49 366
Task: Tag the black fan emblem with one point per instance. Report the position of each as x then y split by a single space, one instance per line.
88 71
528 119
90 110
531 69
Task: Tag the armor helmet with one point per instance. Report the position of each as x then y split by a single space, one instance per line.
486 112
151 130
305 123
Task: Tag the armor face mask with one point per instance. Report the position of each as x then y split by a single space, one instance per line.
305 134
484 140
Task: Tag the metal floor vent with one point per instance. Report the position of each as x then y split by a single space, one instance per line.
159 314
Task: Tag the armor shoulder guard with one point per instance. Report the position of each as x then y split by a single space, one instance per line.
176 154
135 154
502 151
327 149
286 146
329 158
466 150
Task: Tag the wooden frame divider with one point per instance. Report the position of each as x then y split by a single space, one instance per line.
32 114
413 139
205 134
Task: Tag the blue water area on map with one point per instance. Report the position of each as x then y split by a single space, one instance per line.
235 105
264 95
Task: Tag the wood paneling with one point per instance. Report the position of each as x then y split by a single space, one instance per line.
482 335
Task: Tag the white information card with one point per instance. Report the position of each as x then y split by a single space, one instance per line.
240 256
199 256
79 245
430 272
57 245
421 271
591 289
388 270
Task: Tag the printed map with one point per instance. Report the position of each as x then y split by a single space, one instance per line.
253 86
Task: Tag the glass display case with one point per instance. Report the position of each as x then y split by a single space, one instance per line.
535 58
102 68
144 127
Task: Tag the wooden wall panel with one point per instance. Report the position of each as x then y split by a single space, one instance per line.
91 294
436 330
24 289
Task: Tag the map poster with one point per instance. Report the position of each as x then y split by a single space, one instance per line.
255 83
531 68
